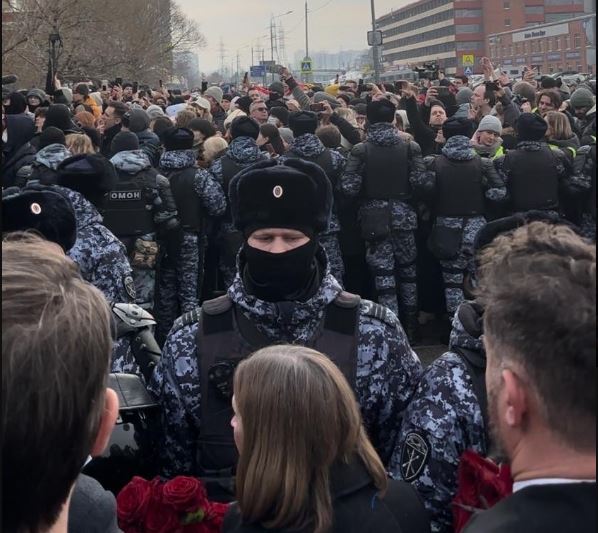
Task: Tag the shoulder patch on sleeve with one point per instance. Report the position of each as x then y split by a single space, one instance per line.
129 286
191 317
379 312
414 456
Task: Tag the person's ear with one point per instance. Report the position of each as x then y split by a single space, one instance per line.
109 415
516 399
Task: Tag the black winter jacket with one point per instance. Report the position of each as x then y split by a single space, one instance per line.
357 508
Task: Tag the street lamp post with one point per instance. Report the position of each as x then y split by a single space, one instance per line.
54 46
375 51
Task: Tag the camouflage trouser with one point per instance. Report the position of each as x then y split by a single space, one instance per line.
331 244
588 226
145 285
179 284
454 270
390 260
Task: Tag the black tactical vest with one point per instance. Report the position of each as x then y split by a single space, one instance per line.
387 172
459 188
128 210
324 161
225 337
187 202
534 181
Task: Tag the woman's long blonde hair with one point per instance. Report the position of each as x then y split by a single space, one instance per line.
79 143
560 127
299 416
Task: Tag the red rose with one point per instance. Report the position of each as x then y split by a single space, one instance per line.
215 514
161 518
185 494
132 502
481 484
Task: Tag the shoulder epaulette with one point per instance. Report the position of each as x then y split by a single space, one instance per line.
190 317
217 306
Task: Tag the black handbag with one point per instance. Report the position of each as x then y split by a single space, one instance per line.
445 243
375 223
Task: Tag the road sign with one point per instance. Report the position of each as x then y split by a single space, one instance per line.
468 71
257 71
306 65
375 38
468 60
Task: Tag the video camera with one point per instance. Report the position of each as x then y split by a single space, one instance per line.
429 71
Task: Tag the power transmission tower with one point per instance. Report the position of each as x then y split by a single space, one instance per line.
282 48
222 53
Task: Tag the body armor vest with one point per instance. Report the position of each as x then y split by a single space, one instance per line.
225 337
387 172
324 161
534 181
459 187
128 211
182 184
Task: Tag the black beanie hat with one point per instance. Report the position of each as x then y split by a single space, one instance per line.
18 104
281 194
40 209
124 141
530 127
50 136
177 139
381 111
277 88
281 113
302 122
244 103
244 127
458 126
59 116
92 175
82 89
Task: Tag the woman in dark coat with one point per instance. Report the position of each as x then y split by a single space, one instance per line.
306 464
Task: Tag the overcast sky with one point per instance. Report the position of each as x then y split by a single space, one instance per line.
334 25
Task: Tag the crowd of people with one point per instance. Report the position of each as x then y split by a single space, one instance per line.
253 230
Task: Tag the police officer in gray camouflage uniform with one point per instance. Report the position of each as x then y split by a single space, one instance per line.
197 195
283 293
461 184
387 171
306 145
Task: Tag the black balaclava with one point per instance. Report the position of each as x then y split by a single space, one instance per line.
289 276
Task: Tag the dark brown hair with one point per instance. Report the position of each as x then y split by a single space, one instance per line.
270 131
56 347
329 135
538 287
555 98
298 416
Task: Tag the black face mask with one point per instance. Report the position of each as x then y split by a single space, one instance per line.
280 277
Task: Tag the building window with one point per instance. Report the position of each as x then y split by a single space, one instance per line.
534 10
507 23
468 13
540 46
549 45
556 43
468 28
507 4
577 41
579 68
567 45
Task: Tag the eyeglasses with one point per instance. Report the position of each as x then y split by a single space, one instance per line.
261 109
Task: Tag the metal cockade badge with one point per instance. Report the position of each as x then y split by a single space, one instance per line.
277 191
36 208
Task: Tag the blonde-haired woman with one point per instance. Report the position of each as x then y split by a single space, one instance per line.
560 134
211 149
79 143
306 463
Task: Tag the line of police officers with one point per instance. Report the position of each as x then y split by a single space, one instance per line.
287 294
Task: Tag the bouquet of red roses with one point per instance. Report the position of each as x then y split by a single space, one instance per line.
481 484
179 505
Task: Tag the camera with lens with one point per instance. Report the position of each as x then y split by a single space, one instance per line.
429 71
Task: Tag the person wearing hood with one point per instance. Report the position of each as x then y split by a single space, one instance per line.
36 98
81 97
17 150
141 212
535 175
462 184
307 146
283 292
44 167
242 152
214 96
487 141
15 104
137 121
276 95
387 171
198 196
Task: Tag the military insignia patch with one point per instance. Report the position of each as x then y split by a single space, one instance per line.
129 286
277 191
414 456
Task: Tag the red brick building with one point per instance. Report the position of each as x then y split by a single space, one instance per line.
454 33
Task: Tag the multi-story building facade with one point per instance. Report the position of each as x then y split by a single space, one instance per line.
453 33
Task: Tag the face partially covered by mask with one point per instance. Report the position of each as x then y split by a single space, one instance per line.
280 263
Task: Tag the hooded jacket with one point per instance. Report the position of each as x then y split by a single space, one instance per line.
17 152
445 413
387 368
44 165
149 142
